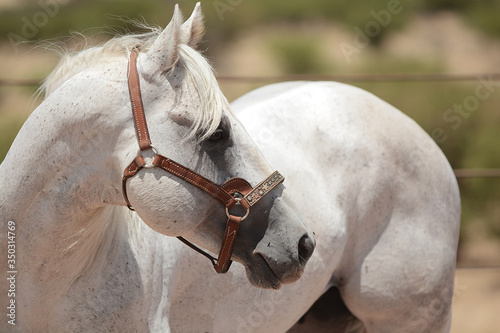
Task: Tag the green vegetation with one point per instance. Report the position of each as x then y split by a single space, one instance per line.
9 126
35 22
226 17
299 55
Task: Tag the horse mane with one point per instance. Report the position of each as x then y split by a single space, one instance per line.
198 72
97 239
94 242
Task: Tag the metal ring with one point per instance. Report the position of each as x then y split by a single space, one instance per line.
153 148
150 165
243 217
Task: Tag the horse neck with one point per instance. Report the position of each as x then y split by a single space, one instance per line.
60 185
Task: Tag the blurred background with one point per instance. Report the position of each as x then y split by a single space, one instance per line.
436 60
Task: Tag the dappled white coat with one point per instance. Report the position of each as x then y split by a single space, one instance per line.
376 190
84 262
383 203
379 194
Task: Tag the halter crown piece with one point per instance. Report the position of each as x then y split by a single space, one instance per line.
235 191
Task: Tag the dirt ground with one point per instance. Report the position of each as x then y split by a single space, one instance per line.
476 304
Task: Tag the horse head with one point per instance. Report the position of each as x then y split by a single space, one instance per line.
190 122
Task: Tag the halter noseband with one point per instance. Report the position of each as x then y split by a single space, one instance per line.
235 191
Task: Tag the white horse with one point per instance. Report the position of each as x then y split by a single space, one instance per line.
79 260
381 198
378 193
384 205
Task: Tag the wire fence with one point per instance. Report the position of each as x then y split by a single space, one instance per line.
475 267
407 77
395 78
19 83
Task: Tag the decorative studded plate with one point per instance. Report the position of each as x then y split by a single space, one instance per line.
263 188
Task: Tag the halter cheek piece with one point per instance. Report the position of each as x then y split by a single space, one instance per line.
235 191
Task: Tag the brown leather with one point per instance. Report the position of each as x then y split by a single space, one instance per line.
134 167
223 193
197 249
224 261
196 179
135 98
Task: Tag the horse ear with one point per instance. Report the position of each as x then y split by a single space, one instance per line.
192 30
164 52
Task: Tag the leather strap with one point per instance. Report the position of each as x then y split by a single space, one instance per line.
136 100
236 185
224 261
134 167
196 179
224 193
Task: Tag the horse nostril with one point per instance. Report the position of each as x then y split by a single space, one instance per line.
306 248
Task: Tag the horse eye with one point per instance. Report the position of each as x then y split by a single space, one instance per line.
218 135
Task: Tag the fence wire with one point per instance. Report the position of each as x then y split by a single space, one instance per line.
408 77
395 78
416 77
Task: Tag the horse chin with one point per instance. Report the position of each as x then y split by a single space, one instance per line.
263 277
261 274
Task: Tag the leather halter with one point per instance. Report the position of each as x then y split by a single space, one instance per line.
235 191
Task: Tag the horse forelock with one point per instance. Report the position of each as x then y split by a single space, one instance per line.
212 102
198 71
